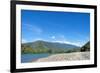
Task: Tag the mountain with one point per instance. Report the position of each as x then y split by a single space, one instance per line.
50 45
47 47
86 47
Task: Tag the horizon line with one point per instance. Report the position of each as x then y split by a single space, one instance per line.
70 43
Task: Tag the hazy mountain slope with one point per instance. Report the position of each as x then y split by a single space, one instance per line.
51 47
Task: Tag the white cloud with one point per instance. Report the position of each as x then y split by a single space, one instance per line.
53 37
62 39
67 42
35 39
33 28
24 41
37 30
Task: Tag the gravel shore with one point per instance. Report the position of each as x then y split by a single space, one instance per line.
66 57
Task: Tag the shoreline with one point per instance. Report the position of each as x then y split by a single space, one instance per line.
65 57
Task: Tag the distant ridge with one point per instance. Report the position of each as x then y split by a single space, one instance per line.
47 44
48 47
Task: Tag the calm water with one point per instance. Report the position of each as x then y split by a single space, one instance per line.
31 57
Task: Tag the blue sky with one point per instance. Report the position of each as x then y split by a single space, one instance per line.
64 27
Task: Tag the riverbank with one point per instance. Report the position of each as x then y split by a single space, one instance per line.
66 57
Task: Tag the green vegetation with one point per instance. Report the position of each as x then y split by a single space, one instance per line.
52 48
86 47
27 49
